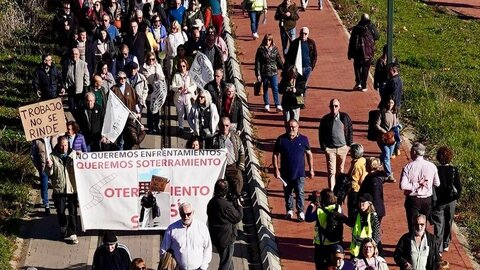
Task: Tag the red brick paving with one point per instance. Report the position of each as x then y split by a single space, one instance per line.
333 77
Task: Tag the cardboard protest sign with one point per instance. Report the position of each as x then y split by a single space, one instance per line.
43 119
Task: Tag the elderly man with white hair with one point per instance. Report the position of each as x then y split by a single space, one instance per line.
417 181
308 50
189 240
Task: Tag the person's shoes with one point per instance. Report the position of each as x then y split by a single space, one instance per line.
445 249
364 89
180 131
397 152
74 238
357 87
301 216
390 179
47 211
393 156
267 108
189 131
289 214
302 9
320 7
279 108
255 35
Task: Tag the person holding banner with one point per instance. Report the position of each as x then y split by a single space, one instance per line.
40 154
203 117
157 90
61 170
189 240
184 89
90 119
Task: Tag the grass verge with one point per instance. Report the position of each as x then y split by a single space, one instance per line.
438 58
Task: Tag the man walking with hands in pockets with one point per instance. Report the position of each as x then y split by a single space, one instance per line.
289 165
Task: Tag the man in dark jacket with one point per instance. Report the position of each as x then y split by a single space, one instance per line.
216 87
47 79
393 88
335 135
309 54
417 249
223 215
90 119
287 17
111 255
137 43
362 49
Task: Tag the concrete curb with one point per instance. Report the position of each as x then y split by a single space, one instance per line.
263 222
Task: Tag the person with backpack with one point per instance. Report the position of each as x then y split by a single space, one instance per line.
361 49
365 225
328 230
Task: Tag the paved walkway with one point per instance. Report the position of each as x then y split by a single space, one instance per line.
332 78
44 249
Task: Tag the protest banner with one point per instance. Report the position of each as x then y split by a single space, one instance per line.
116 115
111 186
43 119
201 70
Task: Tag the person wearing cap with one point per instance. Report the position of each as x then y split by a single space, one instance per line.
323 241
364 225
362 49
189 240
338 259
111 255
373 185
369 258
419 177
193 16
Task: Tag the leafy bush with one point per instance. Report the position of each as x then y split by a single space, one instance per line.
6 252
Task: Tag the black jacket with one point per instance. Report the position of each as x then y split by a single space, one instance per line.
138 45
119 259
267 61
49 84
222 218
91 128
403 251
448 176
394 87
325 130
292 53
235 113
373 185
216 92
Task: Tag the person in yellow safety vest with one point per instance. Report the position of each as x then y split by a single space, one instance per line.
365 225
255 8
326 235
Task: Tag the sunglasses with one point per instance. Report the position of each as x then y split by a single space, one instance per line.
186 214
152 59
122 78
332 106
106 20
201 96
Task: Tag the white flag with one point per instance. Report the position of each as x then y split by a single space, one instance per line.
116 116
201 70
298 59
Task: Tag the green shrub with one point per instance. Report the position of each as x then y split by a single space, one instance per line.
6 252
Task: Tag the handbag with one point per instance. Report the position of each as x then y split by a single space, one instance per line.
387 138
257 89
168 262
300 100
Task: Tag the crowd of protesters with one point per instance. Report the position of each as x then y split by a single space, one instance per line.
141 52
